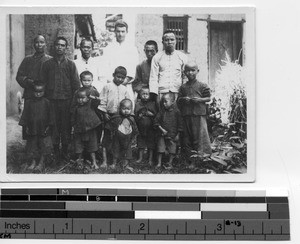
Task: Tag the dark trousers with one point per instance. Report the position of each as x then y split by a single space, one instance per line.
121 145
62 127
195 134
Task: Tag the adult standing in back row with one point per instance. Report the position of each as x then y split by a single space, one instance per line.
121 53
61 79
88 63
167 68
29 71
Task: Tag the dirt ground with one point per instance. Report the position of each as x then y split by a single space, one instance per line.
18 162
13 132
221 161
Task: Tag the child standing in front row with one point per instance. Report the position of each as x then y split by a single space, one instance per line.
169 123
38 121
123 129
86 79
110 97
145 111
85 121
192 97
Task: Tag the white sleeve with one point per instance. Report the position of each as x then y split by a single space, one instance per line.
103 99
133 61
153 80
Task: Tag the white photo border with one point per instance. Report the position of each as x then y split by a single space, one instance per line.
250 81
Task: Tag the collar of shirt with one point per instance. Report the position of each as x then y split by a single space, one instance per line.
39 55
170 54
86 60
171 108
61 61
122 45
191 83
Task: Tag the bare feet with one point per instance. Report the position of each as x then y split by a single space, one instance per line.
150 163
40 166
103 165
192 166
95 166
113 166
141 152
159 160
33 164
139 160
168 166
158 166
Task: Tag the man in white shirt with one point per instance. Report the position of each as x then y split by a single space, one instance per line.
92 64
121 53
167 68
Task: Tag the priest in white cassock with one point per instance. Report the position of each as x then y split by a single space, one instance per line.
121 53
87 62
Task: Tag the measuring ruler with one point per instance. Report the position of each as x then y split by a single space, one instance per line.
140 214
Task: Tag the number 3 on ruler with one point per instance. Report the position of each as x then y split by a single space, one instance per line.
219 227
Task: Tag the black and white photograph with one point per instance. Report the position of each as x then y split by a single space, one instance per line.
129 94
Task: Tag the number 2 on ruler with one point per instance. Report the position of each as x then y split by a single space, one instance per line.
142 226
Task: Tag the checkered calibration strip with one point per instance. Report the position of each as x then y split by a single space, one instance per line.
143 214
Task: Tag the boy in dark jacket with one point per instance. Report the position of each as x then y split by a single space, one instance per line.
145 111
192 97
85 121
123 129
169 123
38 120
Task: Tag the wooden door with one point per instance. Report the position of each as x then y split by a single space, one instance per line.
224 36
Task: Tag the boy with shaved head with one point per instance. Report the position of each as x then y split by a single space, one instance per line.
192 97
168 122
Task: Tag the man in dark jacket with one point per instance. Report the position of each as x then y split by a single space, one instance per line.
61 78
30 69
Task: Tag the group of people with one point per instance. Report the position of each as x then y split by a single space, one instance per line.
76 100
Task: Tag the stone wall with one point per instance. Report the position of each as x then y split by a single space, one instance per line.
14 56
20 31
51 26
148 27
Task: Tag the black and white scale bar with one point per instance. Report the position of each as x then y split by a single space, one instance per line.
66 214
144 195
143 198
124 206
